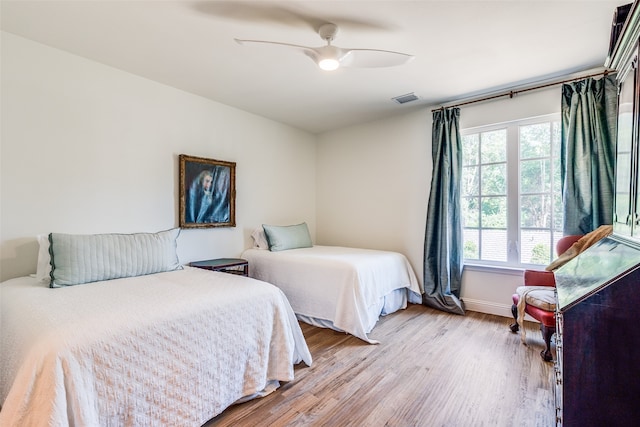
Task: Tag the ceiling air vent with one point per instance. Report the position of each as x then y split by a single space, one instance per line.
403 99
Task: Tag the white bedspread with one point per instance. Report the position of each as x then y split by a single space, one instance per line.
345 286
173 348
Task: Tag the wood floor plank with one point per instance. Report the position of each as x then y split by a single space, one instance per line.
430 369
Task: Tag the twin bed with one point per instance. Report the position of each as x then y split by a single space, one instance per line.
173 347
130 337
345 289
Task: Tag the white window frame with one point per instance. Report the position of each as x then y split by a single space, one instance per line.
513 190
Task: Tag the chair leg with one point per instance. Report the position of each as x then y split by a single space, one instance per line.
514 311
547 333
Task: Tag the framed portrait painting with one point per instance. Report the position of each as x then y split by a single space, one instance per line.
207 192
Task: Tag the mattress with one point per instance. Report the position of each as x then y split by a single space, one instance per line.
173 348
338 287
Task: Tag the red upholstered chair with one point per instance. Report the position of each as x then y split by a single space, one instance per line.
546 318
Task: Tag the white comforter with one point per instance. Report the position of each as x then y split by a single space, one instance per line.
173 348
345 286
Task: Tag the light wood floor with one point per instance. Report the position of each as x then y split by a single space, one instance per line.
431 369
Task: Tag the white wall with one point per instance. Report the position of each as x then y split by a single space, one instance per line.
87 148
372 185
373 188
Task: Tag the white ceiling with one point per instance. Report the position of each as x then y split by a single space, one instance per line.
462 48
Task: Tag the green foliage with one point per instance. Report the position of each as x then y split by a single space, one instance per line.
470 181
470 213
535 141
494 212
541 254
494 179
535 211
470 152
470 250
493 146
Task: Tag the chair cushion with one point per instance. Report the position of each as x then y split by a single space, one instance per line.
544 299
547 318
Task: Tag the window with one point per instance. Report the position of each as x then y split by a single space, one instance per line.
511 192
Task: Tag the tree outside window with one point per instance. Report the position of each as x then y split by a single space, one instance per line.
511 195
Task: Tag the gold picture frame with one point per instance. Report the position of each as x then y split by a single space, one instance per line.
207 192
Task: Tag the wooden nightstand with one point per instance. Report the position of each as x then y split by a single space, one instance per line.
237 266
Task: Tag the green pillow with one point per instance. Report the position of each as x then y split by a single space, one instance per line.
285 237
77 259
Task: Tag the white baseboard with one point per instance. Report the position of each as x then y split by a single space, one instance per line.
488 307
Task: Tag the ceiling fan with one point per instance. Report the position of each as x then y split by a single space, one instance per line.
331 57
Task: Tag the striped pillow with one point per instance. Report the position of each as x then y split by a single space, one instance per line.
78 259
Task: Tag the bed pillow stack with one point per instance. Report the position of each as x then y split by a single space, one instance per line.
285 237
77 259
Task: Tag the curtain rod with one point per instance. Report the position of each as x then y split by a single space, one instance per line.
511 93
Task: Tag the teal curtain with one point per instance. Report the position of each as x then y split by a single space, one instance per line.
588 149
443 250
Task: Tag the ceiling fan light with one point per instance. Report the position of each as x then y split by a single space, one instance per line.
329 64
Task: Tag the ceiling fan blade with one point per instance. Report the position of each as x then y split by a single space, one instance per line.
317 54
304 48
374 58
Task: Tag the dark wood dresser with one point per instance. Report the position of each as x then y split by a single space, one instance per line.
598 337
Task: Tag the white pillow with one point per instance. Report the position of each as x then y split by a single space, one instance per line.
259 239
43 269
